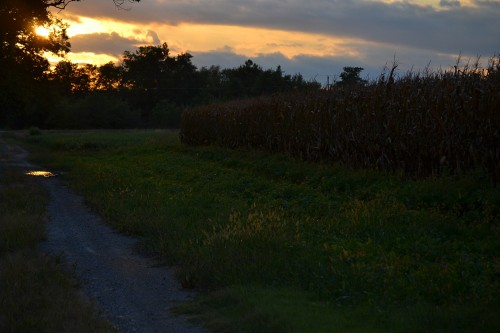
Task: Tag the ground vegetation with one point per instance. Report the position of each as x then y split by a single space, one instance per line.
279 244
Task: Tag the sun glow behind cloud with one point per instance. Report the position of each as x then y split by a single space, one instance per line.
251 41
80 26
42 31
87 25
194 38
314 38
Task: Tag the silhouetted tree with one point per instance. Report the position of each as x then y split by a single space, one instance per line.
144 67
22 65
210 85
351 76
25 96
242 81
110 77
153 75
149 79
180 83
250 80
71 79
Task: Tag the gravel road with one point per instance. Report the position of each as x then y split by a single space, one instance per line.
132 291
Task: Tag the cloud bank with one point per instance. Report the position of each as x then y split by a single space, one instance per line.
470 29
372 32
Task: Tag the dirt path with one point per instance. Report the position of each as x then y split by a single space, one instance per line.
132 291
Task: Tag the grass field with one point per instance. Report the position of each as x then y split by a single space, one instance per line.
278 245
36 294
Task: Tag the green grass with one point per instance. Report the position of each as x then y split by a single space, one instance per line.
22 211
301 238
36 294
254 309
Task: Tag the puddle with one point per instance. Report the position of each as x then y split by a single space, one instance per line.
40 173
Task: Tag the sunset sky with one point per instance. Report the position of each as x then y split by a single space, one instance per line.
314 37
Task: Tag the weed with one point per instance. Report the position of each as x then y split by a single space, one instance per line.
36 294
353 240
39 296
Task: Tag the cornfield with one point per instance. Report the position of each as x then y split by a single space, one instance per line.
420 123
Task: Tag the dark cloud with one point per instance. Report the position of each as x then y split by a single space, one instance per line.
154 36
224 58
449 3
471 30
320 68
112 44
412 35
495 4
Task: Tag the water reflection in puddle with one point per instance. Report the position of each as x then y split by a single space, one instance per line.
40 173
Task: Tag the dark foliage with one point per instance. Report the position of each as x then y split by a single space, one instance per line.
150 81
24 97
351 76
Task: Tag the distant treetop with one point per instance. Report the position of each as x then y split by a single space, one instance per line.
351 76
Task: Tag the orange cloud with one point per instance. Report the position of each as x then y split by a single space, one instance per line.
252 41
82 58
246 41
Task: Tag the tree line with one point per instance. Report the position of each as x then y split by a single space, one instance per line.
148 88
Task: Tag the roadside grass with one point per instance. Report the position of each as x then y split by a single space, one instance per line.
36 294
295 246
256 309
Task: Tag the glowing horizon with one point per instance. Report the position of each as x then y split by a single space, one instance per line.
317 38
195 38
189 37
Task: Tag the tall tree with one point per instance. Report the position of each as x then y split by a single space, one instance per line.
154 75
109 77
22 64
145 67
351 76
71 80
20 44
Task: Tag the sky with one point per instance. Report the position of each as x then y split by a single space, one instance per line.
316 38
